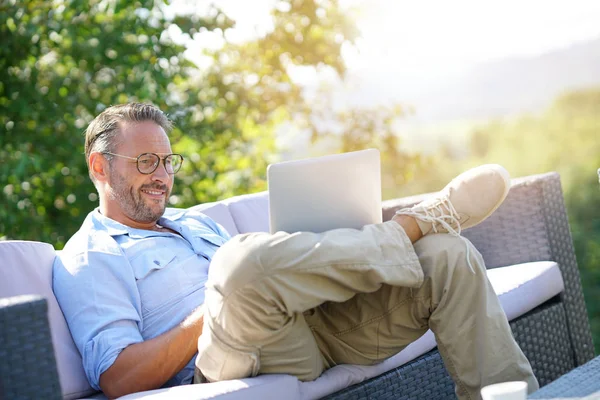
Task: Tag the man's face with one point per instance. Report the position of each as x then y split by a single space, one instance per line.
138 197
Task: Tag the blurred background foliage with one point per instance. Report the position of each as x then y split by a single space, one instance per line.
565 138
63 62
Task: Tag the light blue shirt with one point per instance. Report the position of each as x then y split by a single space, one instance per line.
118 285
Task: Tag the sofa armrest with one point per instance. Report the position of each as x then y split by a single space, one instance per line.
27 361
531 225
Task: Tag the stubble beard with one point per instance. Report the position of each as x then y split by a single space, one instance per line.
131 200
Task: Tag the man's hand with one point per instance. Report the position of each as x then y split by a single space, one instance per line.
148 365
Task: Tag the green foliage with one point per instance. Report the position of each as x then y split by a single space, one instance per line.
564 139
62 62
583 202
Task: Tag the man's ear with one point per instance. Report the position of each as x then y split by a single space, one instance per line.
99 166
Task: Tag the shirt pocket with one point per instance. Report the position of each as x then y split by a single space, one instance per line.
209 243
160 280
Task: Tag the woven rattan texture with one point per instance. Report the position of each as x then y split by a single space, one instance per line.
544 338
27 362
561 246
531 225
581 382
422 379
539 333
516 232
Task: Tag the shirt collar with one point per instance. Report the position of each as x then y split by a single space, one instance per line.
114 228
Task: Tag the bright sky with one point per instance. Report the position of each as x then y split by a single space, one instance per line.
433 38
426 40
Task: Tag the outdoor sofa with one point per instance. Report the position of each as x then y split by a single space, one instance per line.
526 244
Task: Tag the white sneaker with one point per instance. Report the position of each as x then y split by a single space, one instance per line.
466 201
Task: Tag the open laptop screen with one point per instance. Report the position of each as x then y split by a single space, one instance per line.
324 193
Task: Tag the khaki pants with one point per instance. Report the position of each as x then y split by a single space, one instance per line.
301 303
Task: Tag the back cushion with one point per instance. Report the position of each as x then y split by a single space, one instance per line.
26 268
219 213
250 212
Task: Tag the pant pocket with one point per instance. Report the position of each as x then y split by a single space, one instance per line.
219 361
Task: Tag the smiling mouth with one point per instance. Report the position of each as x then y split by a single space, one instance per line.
154 193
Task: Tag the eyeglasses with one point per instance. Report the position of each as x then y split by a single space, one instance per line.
148 162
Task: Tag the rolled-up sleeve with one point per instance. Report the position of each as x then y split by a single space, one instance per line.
98 295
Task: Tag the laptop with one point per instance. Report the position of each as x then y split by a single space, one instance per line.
324 193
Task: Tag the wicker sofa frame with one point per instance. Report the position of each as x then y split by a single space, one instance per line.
531 225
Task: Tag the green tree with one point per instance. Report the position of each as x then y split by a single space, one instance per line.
583 204
62 62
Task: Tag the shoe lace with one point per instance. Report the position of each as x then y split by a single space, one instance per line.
445 215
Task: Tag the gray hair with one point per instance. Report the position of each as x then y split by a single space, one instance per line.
102 134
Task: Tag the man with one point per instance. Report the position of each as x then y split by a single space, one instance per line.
148 295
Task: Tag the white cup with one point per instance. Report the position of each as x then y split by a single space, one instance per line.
516 390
